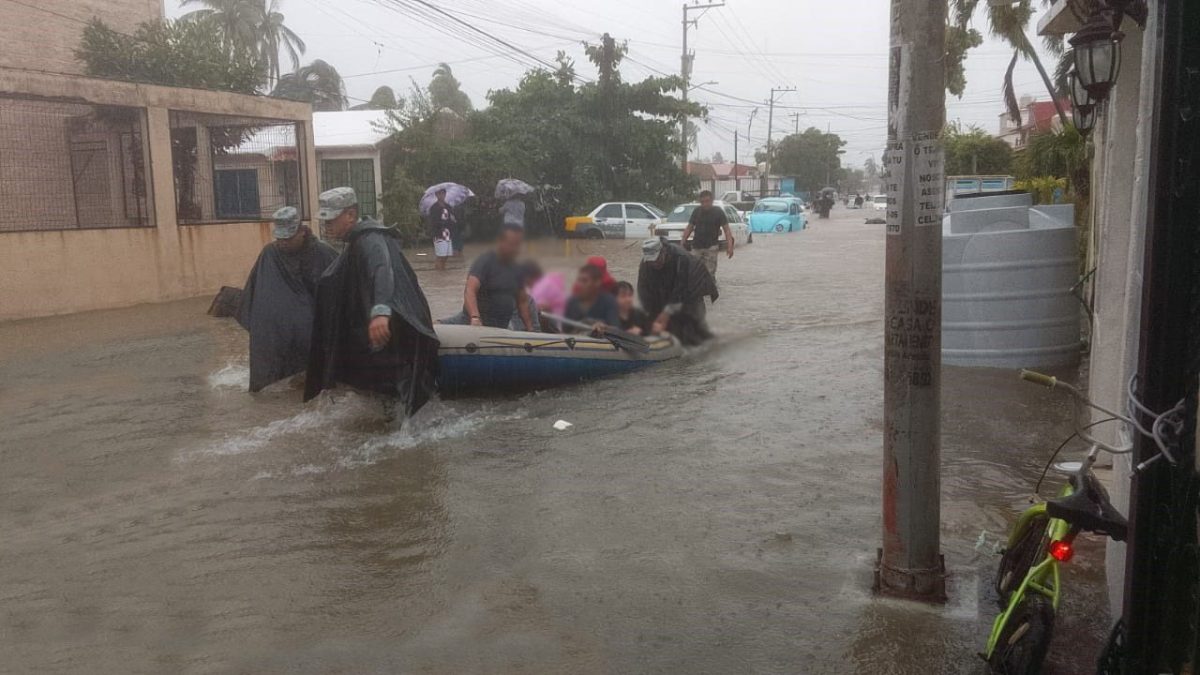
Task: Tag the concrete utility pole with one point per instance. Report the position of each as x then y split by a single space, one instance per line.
762 187
796 118
685 68
737 181
910 563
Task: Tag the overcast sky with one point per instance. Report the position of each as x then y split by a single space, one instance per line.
833 53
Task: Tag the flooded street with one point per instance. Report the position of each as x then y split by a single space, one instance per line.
717 514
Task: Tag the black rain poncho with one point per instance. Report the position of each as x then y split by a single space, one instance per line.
276 307
370 273
682 280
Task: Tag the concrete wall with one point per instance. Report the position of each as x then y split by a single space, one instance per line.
43 34
57 272
1122 139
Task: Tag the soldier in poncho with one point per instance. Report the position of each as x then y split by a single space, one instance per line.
672 286
277 302
373 330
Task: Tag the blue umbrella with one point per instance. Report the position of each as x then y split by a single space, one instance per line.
508 188
455 194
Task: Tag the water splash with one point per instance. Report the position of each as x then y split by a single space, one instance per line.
436 422
327 414
232 376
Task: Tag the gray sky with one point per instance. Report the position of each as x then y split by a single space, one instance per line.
832 53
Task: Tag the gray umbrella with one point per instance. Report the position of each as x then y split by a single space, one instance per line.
455 194
508 188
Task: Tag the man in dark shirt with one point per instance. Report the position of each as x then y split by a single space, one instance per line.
707 223
591 304
494 285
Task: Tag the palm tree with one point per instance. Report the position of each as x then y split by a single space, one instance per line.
1008 22
317 83
274 36
236 22
445 91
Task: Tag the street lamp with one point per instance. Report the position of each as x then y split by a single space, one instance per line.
1083 106
1097 51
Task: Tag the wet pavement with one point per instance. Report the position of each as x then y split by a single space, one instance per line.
717 514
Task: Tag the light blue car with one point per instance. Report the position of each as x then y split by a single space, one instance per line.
778 214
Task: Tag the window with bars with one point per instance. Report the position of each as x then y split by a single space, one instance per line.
69 166
231 169
356 173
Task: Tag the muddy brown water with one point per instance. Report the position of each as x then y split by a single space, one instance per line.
718 514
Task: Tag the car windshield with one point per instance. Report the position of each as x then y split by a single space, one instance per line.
882 200
771 207
681 213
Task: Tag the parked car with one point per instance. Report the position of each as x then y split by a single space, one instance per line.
778 214
879 202
615 220
677 220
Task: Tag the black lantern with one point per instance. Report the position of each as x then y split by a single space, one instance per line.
1083 106
1097 48
1084 118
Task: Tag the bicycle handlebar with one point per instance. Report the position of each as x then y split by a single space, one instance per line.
1038 378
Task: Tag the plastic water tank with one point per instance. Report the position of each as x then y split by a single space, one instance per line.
1007 272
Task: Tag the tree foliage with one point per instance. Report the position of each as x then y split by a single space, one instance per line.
813 156
1061 154
445 91
317 83
972 151
177 54
585 143
249 29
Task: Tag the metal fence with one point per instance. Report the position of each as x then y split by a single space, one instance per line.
234 169
70 166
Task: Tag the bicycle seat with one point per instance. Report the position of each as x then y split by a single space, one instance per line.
1089 508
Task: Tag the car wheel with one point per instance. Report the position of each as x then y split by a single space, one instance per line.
779 227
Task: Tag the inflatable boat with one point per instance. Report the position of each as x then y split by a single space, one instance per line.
476 359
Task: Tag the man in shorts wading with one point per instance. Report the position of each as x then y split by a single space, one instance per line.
705 227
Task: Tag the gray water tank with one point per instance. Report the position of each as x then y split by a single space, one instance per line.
1007 272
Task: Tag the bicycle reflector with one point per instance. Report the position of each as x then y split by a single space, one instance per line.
1062 551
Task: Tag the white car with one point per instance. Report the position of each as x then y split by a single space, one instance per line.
677 220
879 202
616 220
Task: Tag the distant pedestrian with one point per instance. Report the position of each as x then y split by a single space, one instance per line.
442 223
705 226
512 212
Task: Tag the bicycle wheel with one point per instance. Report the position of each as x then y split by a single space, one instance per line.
1016 561
1025 639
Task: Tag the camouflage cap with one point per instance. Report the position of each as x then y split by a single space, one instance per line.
651 249
287 222
334 201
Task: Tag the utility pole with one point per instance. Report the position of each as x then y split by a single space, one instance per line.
796 118
762 186
685 68
910 563
737 180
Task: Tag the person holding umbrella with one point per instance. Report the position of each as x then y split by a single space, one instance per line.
441 228
512 209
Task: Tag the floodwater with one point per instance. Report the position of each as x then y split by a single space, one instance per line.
718 514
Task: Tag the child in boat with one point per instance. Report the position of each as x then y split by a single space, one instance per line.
591 304
633 319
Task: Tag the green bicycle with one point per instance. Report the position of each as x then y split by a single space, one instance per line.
1028 580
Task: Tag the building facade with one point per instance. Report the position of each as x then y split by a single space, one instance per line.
120 193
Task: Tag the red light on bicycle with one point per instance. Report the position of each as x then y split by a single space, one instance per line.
1061 550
